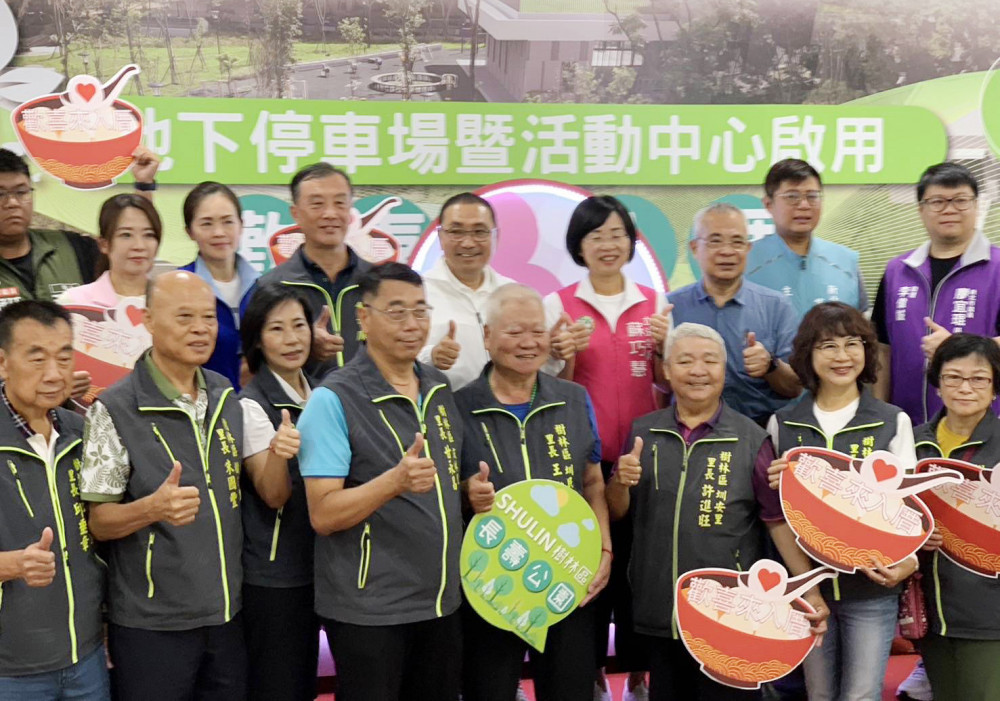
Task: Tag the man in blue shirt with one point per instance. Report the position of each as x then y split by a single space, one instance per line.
801 266
756 323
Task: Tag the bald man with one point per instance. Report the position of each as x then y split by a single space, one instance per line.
161 463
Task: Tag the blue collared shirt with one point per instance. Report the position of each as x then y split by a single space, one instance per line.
828 272
754 308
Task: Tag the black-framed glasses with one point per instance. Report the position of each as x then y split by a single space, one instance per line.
397 315
939 204
954 381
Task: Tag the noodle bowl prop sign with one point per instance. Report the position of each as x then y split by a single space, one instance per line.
846 511
107 342
746 628
84 136
967 514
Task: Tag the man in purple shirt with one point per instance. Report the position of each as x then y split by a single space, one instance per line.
951 283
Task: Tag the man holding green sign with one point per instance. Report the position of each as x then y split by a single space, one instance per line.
539 550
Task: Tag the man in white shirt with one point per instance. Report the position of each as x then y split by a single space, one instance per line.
458 286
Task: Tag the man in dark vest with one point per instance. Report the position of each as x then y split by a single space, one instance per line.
514 415
51 640
695 485
324 267
381 440
161 469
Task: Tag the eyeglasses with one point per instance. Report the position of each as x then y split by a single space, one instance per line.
794 197
20 195
397 315
939 204
955 381
477 235
717 242
593 239
831 349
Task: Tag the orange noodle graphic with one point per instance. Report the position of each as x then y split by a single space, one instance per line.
734 668
830 547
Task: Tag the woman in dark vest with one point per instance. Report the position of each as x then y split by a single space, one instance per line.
962 647
282 632
835 355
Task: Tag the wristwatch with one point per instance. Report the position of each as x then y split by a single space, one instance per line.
772 366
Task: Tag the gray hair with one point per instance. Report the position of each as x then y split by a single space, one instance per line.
690 330
717 208
511 292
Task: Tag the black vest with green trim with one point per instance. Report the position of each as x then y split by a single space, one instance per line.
277 543
554 442
694 506
165 577
399 565
44 629
343 318
872 428
961 604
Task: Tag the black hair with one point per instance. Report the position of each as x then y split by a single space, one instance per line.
591 214
793 170
44 312
111 213
200 192
962 345
369 283
265 299
947 174
322 169
10 162
466 198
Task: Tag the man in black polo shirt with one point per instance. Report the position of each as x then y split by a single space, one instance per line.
324 268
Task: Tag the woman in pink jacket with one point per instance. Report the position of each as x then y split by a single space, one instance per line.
619 364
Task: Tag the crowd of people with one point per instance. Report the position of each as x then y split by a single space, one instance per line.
302 451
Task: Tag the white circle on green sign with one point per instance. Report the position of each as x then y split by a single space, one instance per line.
527 563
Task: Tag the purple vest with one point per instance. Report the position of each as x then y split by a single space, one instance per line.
967 299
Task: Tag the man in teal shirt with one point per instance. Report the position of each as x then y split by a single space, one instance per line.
801 266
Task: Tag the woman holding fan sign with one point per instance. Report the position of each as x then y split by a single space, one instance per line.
962 646
835 354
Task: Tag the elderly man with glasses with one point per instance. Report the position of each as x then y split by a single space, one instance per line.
381 441
458 286
949 284
794 261
756 323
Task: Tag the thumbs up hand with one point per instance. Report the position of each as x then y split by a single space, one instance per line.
38 562
480 490
659 326
445 353
325 344
935 335
756 358
173 503
286 441
415 473
629 470
561 341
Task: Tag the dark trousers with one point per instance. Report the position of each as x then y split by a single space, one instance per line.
616 598
203 664
493 657
409 662
675 676
282 638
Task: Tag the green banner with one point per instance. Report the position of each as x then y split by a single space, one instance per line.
527 563
251 142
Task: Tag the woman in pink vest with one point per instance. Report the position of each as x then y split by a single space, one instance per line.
619 364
